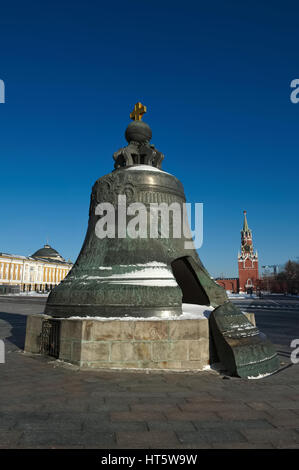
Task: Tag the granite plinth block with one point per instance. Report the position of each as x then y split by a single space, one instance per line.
127 344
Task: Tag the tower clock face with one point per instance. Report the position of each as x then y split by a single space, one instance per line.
247 248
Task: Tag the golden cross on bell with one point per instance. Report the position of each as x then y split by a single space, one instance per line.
138 111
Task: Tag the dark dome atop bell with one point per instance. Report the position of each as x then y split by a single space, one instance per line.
138 131
47 252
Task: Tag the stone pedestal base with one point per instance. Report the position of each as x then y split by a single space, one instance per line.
137 344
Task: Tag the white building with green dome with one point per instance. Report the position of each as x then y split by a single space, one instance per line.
39 272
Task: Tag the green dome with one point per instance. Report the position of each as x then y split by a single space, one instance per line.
47 252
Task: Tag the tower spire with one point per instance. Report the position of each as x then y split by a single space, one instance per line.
247 260
245 224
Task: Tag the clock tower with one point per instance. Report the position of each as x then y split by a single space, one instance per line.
247 261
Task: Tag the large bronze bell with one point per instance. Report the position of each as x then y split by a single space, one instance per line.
148 276
139 277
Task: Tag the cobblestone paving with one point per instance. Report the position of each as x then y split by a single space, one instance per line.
45 404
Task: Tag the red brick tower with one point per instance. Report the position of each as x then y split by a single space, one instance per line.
247 261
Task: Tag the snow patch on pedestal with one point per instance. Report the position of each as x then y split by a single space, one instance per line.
190 312
195 311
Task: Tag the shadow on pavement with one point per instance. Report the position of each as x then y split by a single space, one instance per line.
16 335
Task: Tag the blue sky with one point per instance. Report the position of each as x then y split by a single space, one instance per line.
215 77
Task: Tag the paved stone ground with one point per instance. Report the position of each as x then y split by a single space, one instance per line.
45 404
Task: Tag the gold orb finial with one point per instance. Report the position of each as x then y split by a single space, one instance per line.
138 111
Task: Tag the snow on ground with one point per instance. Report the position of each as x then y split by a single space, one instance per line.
241 296
260 376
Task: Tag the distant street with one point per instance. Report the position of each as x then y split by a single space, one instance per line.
277 316
13 313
